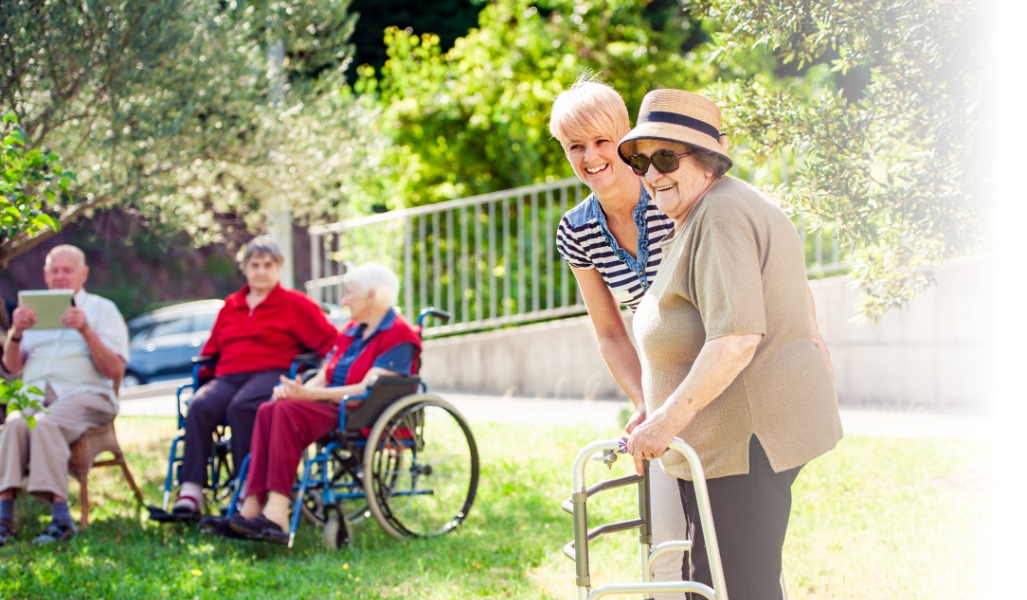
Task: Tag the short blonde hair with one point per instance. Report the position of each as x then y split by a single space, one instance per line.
373 276
589 108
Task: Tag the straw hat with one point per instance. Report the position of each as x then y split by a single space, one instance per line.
677 116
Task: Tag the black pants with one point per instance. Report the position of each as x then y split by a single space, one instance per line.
235 397
750 513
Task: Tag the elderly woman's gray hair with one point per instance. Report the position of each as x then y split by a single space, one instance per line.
373 276
260 246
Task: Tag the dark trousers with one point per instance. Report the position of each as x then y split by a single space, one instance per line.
750 513
283 429
235 397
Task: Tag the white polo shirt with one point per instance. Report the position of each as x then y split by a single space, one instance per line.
60 358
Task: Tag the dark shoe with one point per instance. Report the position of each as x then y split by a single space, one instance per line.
55 533
6 531
259 528
176 515
219 526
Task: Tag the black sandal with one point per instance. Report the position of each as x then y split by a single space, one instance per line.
219 526
259 528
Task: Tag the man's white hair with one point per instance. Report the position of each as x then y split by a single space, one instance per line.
373 276
66 248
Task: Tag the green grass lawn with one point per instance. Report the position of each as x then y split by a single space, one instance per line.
876 518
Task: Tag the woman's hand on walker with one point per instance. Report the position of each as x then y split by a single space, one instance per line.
288 388
649 441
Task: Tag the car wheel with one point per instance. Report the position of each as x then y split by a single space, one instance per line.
130 380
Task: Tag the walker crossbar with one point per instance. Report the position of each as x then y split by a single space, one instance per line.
672 546
568 506
568 549
620 589
578 548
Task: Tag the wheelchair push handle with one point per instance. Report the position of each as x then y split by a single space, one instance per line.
431 311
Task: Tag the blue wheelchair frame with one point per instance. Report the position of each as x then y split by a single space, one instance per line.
349 488
219 453
334 492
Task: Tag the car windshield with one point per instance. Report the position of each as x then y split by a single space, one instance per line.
141 332
204 323
175 326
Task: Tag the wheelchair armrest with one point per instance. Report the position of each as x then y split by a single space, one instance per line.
204 358
354 401
357 412
304 363
307 358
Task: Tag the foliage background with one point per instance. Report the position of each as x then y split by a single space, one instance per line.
173 111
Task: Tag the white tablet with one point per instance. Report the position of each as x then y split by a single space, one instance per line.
49 305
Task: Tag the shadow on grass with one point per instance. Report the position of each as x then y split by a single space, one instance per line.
514 527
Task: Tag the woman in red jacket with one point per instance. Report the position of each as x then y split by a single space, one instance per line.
257 333
377 341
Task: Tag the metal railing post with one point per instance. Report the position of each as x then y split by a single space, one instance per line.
408 267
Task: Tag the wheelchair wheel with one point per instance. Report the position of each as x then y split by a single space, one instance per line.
335 533
343 472
420 467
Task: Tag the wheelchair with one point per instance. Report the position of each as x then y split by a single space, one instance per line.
222 485
402 456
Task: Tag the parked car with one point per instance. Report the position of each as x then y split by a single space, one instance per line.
163 343
338 315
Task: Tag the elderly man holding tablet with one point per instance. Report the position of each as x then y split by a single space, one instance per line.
76 362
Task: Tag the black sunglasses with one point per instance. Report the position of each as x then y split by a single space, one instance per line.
665 161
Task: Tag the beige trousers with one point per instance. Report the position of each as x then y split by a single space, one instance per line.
44 451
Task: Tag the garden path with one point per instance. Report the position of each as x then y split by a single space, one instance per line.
158 400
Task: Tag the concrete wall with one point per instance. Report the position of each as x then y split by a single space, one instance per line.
558 359
934 353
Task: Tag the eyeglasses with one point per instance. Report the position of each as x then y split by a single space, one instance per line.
665 161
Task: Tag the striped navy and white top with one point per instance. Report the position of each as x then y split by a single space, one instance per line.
585 242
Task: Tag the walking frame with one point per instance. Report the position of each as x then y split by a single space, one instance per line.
577 550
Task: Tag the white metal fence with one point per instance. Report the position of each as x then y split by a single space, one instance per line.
488 260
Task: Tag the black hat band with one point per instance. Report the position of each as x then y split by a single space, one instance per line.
657 116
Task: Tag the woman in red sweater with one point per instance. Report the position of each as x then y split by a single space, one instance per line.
258 332
377 341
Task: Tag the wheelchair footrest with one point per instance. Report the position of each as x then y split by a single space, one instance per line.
179 515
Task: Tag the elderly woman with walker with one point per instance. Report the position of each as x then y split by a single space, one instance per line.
611 242
724 334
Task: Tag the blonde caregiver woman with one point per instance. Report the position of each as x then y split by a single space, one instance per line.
610 241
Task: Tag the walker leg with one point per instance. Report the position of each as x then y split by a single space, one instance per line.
645 534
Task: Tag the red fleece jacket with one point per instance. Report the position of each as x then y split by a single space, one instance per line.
285 324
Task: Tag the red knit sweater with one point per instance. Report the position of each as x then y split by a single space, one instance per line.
285 324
